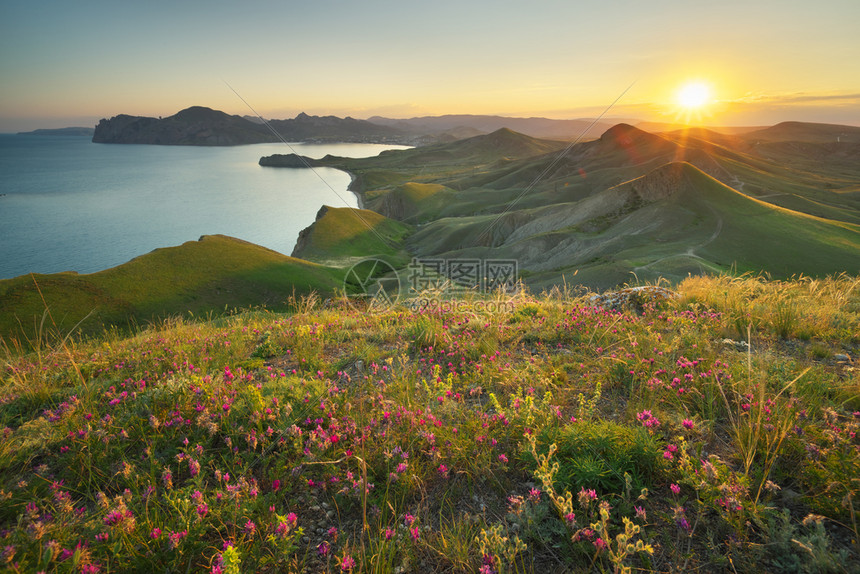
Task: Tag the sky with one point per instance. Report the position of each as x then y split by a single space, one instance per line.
764 61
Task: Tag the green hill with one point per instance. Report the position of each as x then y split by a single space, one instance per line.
689 201
760 236
703 135
670 222
198 276
414 202
341 233
471 152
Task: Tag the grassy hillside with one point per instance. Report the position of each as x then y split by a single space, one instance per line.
340 233
772 205
502 143
758 236
414 202
198 276
673 221
714 430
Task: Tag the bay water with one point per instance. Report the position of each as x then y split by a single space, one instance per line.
67 204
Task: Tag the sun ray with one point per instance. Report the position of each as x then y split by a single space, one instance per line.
693 100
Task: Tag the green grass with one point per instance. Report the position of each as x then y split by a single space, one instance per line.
586 213
445 442
197 277
414 202
343 233
598 455
762 237
695 224
759 237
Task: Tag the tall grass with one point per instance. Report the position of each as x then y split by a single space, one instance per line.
827 309
328 439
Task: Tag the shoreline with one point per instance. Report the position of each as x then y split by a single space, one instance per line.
353 178
359 194
83 255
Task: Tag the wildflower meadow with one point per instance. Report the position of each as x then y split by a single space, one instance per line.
712 432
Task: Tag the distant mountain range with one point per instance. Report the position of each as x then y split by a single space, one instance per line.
207 127
471 125
75 131
203 126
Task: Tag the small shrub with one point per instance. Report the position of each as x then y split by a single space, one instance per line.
598 454
266 349
797 549
819 351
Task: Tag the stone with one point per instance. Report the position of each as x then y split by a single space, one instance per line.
635 297
738 345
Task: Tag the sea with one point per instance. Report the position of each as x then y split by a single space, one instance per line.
67 204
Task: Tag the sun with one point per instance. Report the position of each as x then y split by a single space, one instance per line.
694 95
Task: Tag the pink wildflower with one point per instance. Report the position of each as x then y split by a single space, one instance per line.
176 537
347 564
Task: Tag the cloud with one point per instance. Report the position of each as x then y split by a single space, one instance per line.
797 98
752 109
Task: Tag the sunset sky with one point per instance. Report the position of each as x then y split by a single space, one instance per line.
70 63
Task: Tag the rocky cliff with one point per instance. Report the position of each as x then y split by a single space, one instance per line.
207 127
193 126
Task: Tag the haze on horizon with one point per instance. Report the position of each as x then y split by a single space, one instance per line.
69 64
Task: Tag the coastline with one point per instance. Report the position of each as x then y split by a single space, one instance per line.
351 187
294 160
272 216
355 188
